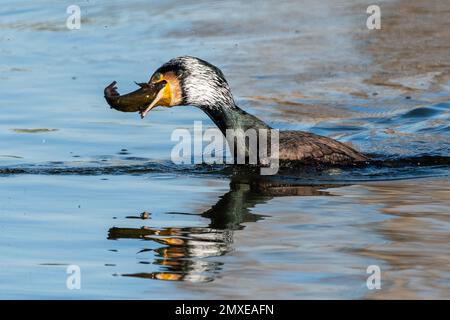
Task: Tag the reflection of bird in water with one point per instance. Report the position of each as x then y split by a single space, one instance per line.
182 256
192 81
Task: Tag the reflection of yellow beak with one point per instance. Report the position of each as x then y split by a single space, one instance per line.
168 276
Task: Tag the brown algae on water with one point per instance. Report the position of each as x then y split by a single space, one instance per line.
37 130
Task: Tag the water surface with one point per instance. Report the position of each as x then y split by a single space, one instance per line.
75 176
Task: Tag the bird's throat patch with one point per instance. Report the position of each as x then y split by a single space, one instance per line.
173 93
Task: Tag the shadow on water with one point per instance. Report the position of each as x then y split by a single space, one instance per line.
186 254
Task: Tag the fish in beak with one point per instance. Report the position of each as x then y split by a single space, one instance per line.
142 100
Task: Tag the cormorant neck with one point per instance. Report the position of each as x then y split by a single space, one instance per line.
233 117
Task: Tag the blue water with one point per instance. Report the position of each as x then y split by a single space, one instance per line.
75 176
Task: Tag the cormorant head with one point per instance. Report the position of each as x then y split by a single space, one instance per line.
180 81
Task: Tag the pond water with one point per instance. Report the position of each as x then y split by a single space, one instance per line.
76 177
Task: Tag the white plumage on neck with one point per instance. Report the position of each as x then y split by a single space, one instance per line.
203 84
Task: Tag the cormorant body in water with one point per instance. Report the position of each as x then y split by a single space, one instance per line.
192 81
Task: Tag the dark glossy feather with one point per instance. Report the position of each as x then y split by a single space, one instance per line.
309 148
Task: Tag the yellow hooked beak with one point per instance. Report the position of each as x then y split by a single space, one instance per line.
163 97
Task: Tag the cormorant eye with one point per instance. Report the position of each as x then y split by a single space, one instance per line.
156 77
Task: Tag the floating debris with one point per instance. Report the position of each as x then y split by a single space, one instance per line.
144 216
37 130
10 156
